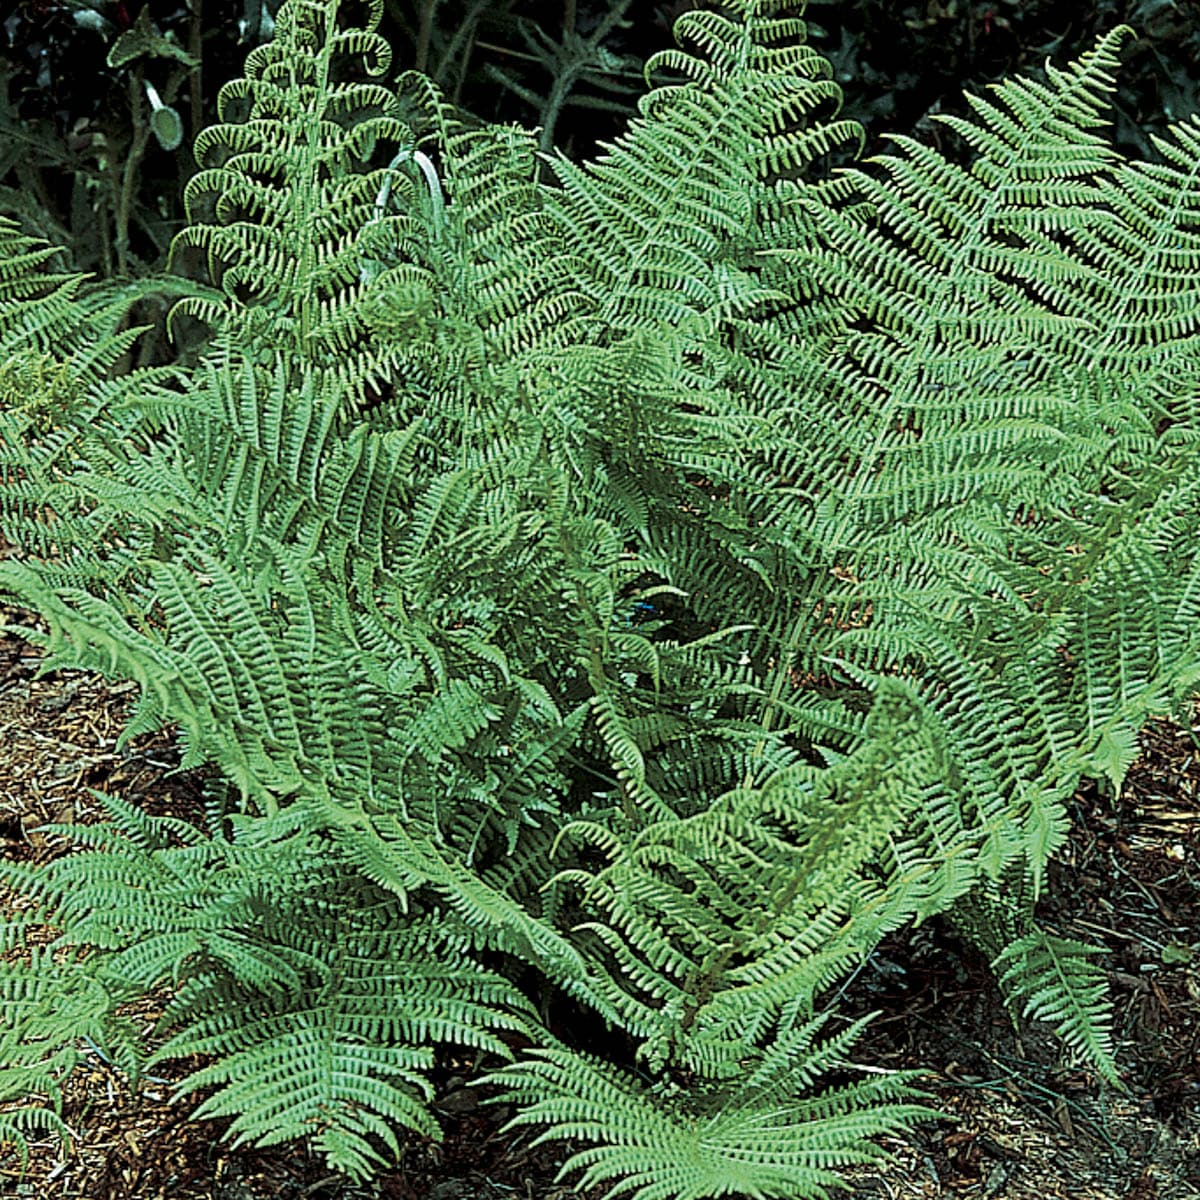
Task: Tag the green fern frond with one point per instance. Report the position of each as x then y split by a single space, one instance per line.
49 1003
345 1065
702 152
1057 981
778 1134
283 190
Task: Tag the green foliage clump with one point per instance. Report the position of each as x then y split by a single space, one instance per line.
641 585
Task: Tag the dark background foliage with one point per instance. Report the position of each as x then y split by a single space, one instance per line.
79 164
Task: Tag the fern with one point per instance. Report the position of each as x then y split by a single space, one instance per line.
645 582
1059 983
777 1134
48 1005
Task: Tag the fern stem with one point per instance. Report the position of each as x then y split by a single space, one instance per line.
464 35
783 668
424 34
133 157
196 75
581 59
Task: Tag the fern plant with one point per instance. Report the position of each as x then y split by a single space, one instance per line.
637 585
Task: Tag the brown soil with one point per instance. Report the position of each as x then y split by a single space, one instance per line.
1017 1125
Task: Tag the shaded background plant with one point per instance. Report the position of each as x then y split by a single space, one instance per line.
77 164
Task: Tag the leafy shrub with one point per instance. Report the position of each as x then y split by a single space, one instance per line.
640 589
